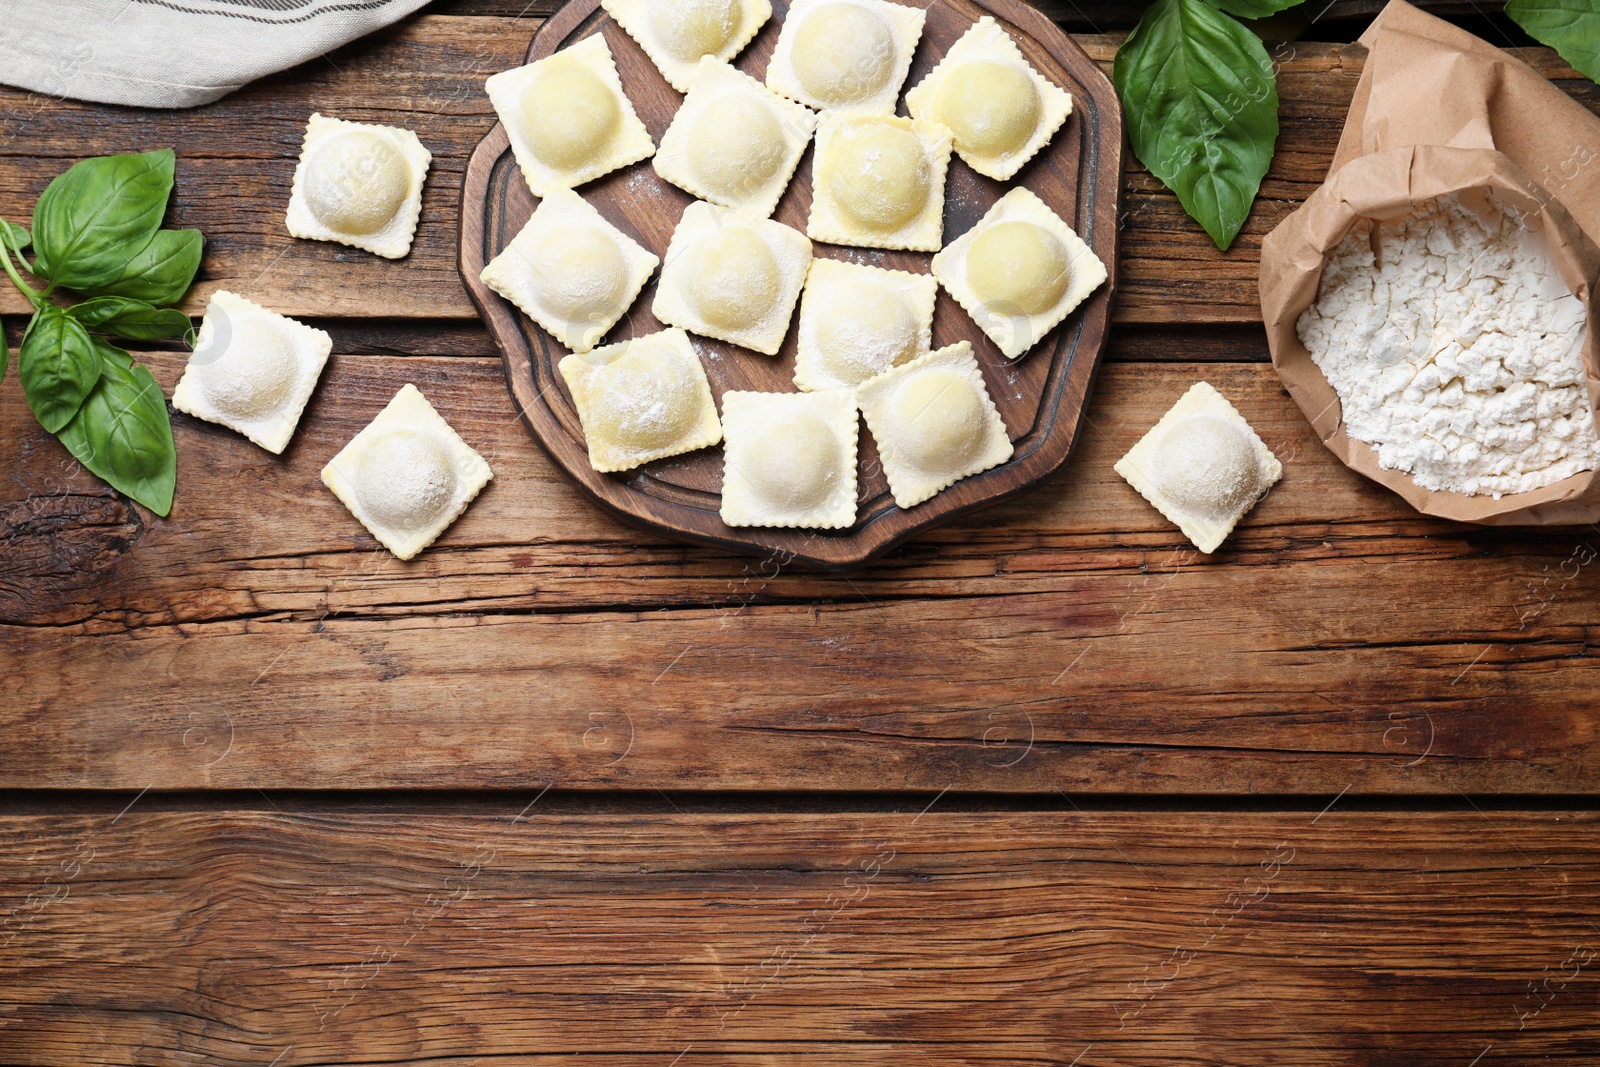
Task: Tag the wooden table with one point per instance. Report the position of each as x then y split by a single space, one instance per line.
1045 786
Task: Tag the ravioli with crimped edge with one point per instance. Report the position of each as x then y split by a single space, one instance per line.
408 475
359 184
934 423
789 459
567 117
1202 466
878 182
845 55
573 272
857 321
642 400
999 109
734 275
1019 271
734 142
677 34
252 370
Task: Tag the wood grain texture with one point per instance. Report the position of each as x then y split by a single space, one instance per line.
236 158
231 937
1040 396
1337 640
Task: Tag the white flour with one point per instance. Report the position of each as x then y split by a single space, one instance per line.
1456 351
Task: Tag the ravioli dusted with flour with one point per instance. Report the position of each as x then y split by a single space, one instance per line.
641 400
677 34
845 55
408 475
573 272
734 142
567 117
252 370
359 184
934 423
1000 110
732 275
789 459
858 321
1019 271
1202 466
878 182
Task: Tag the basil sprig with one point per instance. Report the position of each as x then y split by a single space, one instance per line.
1202 105
97 231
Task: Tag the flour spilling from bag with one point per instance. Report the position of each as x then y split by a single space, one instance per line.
1456 349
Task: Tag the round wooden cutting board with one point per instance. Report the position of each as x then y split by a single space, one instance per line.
1041 395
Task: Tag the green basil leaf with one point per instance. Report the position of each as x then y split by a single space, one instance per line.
162 270
1571 27
17 238
133 319
123 434
1254 9
91 220
1202 107
58 367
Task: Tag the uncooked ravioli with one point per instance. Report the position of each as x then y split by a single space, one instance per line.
1019 271
252 370
1000 110
1202 466
359 184
678 34
857 321
934 423
789 459
845 55
571 270
567 117
879 182
733 275
408 475
642 400
734 142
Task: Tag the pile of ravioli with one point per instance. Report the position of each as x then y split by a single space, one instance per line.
732 273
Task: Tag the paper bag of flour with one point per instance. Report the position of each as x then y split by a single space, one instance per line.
1439 112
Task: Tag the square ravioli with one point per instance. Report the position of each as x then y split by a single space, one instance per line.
643 399
845 55
359 184
734 142
1000 110
858 321
734 275
878 182
934 423
790 459
1202 466
567 117
252 370
408 475
573 272
676 34
1019 271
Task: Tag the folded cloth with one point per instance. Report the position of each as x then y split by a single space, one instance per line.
172 53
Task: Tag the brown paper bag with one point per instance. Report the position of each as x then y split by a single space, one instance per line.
1438 111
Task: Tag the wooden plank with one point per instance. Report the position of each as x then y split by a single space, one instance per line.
1338 640
236 159
231 937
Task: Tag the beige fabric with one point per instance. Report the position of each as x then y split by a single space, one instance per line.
172 53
